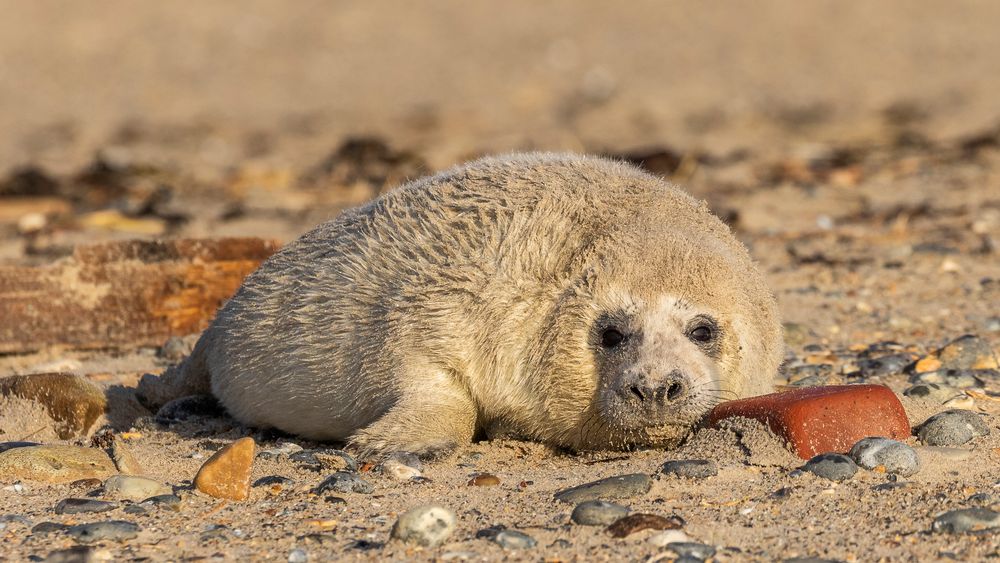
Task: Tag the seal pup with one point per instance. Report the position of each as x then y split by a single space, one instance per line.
572 300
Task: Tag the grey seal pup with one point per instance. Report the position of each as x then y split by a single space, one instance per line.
572 300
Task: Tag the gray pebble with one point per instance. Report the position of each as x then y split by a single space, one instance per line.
966 520
984 499
298 556
318 460
283 449
835 467
427 525
957 378
113 530
895 456
134 488
892 486
693 550
886 365
42 528
345 482
75 554
512 539
269 480
966 352
597 513
932 392
172 502
80 505
952 428
690 468
621 486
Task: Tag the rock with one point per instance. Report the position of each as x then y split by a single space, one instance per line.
958 378
43 528
835 467
4 446
298 556
344 482
80 505
896 457
72 402
667 537
226 474
170 502
968 352
597 513
427 525
123 458
484 480
512 539
134 488
325 460
638 522
966 520
78 554
272 480
934 392
402 466
690 468
952 428
109 530
892 486
283 449
884 366
692 550
55 463
621 486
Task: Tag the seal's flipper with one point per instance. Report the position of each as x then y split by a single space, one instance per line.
190 377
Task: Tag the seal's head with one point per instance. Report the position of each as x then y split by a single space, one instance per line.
666 323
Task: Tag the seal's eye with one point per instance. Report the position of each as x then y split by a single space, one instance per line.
611 338
702 334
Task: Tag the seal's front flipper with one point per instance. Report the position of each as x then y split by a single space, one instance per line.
190 377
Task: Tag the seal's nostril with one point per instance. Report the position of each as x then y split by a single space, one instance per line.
637 391
674 391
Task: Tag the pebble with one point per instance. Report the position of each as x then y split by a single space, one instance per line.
73 402
667 537
274 483
79 505
952 428
113 530
968 352
512 539
283 449
134 488
690 468
638 522
691 549
884 366
484 480
966 520
344 482
892 486
621 486
123 458
55 463
298 556
226 474
325 460
402 466
4 446
597 513
835 467
984 499
933 392
78 554
957 378
43 528
172 502
427 525
896 457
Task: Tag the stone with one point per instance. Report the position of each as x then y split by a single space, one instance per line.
43 528
620 486
298 556
934 392
4 446
427 525
690 468
597 513
283 449
691 549
170 502
81 505
512 539
402 466
896 457
884 366
325 460
958 378
628 525
484 480
125 462
835 467
818 420
134 488
966 520
109 530
72 402
667 537
952 428
345 482
55 463
226 474
968 352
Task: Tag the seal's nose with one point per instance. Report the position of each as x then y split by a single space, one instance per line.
637 388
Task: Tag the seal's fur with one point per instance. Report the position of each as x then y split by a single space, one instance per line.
469 301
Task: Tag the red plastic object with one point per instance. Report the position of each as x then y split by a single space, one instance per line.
818 420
